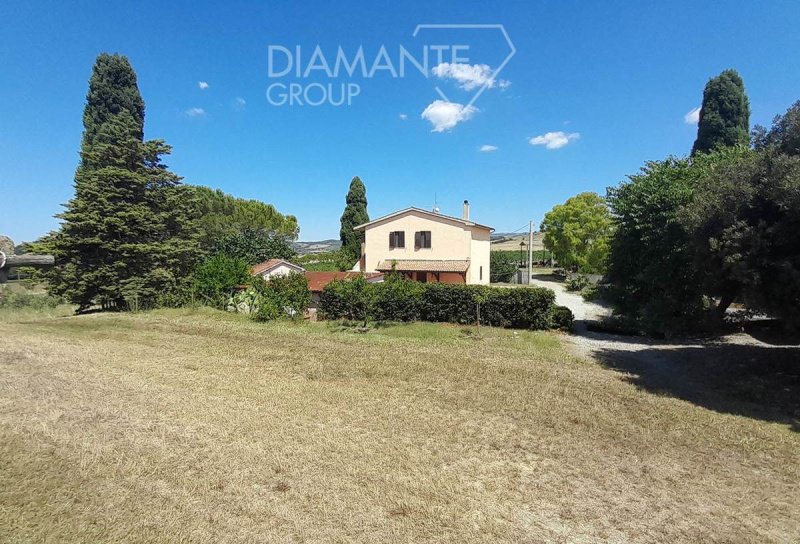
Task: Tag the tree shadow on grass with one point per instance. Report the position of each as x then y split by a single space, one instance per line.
760 382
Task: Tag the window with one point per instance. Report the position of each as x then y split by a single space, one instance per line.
480 273
422 239
397 239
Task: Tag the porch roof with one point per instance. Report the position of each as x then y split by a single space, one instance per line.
423 265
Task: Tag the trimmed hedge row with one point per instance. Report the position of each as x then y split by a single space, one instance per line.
401 300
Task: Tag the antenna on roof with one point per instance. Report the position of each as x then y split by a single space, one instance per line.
435 204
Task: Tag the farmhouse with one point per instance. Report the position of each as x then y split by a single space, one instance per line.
427 246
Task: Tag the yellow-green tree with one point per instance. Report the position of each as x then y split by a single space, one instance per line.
578 232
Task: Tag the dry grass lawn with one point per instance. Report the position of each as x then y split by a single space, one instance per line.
182 426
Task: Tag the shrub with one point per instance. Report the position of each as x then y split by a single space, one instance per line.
503 265
528 308
561 318
349 299
281 296
576 282
396 300
29 300
289 293
401 300
215 279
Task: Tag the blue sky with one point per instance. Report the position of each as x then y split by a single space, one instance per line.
616 78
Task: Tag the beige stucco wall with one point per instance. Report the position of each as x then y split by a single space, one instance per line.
450 240
480 250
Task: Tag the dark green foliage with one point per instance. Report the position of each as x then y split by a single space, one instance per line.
35 301
402 300
503 265
396 299
215 279
724 115
576 282
127 237
355 213
651 268
254 246
745 225
289 294
112 90
561 318
348 299
784 136
222 215
578 232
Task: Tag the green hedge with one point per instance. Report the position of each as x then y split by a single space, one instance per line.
401 300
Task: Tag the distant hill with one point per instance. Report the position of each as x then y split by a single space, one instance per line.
306 248
511 240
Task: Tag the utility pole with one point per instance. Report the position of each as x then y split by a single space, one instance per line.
530 252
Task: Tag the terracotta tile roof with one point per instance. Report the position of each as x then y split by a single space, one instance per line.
424 265
260 268
429 214
318 280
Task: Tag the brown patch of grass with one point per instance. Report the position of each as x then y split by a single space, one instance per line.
200 426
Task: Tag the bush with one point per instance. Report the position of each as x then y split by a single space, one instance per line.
348 299
29 300
503 265
281 296
576 282
561 318
215 279
396 299
402 300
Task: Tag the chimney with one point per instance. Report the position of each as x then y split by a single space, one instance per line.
466 210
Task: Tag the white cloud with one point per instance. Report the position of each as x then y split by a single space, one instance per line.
554 140
445 115
486 148
468 76
195 112
403 116
239 103
692 117
203 85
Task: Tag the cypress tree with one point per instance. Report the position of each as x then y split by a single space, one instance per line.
112 90
355 213
126 235
724 115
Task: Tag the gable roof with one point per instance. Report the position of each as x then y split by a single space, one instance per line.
431 215
266 266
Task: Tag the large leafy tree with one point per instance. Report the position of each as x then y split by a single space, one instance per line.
254 246
222 215
651 266
127 236
355 213
745 224
578 232
724 114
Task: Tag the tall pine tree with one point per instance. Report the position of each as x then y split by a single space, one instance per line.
355 213
126 236
724 115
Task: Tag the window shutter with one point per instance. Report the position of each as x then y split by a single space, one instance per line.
417 240
427 238
391 240
401 238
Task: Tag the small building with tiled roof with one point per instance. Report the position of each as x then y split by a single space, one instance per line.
427 246
275 267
